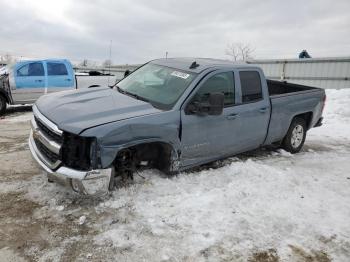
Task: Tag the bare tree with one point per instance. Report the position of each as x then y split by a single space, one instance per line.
232 50
239 51
246 51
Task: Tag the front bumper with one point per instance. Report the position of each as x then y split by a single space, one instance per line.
93 182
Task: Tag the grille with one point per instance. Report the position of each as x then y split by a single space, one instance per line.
52 135
52 157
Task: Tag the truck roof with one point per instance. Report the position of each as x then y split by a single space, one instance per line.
202 63
42 60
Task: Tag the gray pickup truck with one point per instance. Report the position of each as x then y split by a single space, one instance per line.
170 114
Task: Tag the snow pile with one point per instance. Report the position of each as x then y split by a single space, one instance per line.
19 117
336 117
274 201
291 206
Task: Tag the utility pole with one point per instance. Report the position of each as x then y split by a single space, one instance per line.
166 55
110 60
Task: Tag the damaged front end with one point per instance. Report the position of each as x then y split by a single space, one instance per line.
67 158
5 86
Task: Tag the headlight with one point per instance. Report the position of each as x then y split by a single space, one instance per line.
76 151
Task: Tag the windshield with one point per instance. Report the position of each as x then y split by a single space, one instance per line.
161 86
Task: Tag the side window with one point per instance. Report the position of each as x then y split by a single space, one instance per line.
56 69
251 86
31 69
219 83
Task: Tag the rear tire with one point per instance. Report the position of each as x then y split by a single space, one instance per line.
3 104
295 138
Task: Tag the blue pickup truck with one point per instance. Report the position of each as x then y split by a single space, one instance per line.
24 82
170 114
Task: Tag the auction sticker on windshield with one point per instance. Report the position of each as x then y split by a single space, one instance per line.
180 74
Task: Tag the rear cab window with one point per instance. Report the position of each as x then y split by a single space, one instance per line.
250 86
56 69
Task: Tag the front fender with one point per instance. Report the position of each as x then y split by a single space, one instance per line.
113 137
108 154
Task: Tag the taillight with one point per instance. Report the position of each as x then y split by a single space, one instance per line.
324 103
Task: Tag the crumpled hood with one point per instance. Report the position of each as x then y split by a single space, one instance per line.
3 81
4 70
77 110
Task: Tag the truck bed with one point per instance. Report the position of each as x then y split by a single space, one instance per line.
288 100
283 87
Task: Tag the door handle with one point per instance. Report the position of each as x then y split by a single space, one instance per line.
38 80
263 110
231 116
68 79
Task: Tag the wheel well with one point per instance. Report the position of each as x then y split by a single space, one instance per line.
307 117
156 154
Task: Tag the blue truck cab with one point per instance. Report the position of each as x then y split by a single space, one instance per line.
24 82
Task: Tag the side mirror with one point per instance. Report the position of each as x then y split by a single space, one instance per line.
214 106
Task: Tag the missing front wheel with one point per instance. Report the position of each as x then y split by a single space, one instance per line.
124 169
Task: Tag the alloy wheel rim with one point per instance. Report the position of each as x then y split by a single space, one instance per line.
297 136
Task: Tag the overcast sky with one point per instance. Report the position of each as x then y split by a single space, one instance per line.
141 30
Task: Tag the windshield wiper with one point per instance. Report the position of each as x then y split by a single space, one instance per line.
119 89
137 96
132 94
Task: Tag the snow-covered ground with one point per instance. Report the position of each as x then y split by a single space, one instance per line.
267 205
273 200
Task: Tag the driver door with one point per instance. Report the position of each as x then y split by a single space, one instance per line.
30 83
208 137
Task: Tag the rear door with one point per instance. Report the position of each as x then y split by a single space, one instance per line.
30 82
59 76
253 109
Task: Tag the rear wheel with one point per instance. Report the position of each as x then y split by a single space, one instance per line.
2 104
295 138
